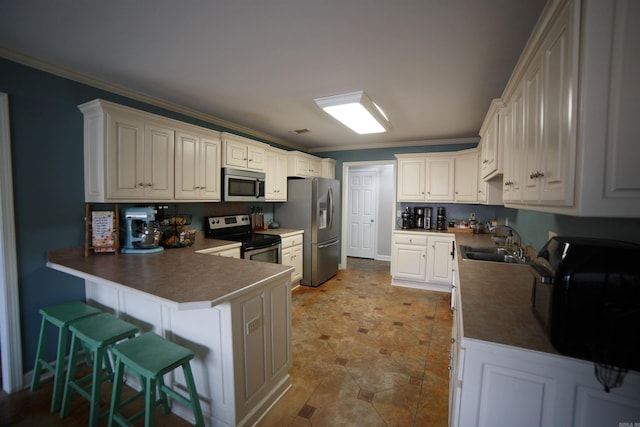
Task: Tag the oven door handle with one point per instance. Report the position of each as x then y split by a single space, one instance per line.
253 248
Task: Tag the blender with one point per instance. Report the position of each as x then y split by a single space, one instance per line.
142 235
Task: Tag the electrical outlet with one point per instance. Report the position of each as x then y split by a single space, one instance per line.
552 234
253 325
398 213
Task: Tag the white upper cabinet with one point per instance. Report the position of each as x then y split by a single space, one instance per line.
440 178
412 179
328 168
304 165
276 175
197 166
466 176
128 155
575 90
491 157
242 153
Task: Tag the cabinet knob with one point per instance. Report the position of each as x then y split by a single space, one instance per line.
485 161
453 340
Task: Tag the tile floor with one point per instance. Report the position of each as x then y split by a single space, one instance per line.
366 353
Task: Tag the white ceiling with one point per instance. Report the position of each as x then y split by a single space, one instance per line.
432 65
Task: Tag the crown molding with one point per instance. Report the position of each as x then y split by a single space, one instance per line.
396 144
66 73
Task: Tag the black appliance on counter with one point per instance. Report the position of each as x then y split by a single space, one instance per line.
441 219
237 228
587 296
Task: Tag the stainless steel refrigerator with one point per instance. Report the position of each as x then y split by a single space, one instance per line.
313 205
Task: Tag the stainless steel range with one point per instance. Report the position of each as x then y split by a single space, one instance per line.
237 228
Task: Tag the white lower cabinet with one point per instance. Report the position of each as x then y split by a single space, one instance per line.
493 384
422 260
504 386
292 254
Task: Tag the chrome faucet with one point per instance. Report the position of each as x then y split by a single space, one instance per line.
511 243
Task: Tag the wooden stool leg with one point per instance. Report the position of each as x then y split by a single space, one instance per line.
150 403
193 395
96 385
71 372
37 369
117 391
58 381
163 396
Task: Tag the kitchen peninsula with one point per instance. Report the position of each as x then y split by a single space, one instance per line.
234 314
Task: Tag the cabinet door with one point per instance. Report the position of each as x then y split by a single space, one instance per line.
440 260
315 167
187 166
410 262
489 141
235 154
301 166
440 179
125 158
515 149
557 163
197 167
281 177
159 162
411 180
296 262
276 176
532 143
466 178
255 158
209 169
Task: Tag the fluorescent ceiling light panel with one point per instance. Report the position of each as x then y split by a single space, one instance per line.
356 111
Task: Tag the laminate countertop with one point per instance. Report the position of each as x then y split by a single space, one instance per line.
180 277
496 300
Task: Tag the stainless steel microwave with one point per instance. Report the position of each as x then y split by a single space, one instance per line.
243 186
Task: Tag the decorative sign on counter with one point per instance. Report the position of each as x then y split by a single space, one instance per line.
103 238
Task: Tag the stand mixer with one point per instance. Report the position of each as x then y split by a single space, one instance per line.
142 238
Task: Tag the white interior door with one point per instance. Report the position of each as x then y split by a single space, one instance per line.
361 213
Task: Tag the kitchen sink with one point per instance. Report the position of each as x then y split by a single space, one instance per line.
489 253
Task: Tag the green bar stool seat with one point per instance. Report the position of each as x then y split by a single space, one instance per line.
150 356
97 334
61 315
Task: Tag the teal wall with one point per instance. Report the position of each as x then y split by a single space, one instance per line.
47 139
